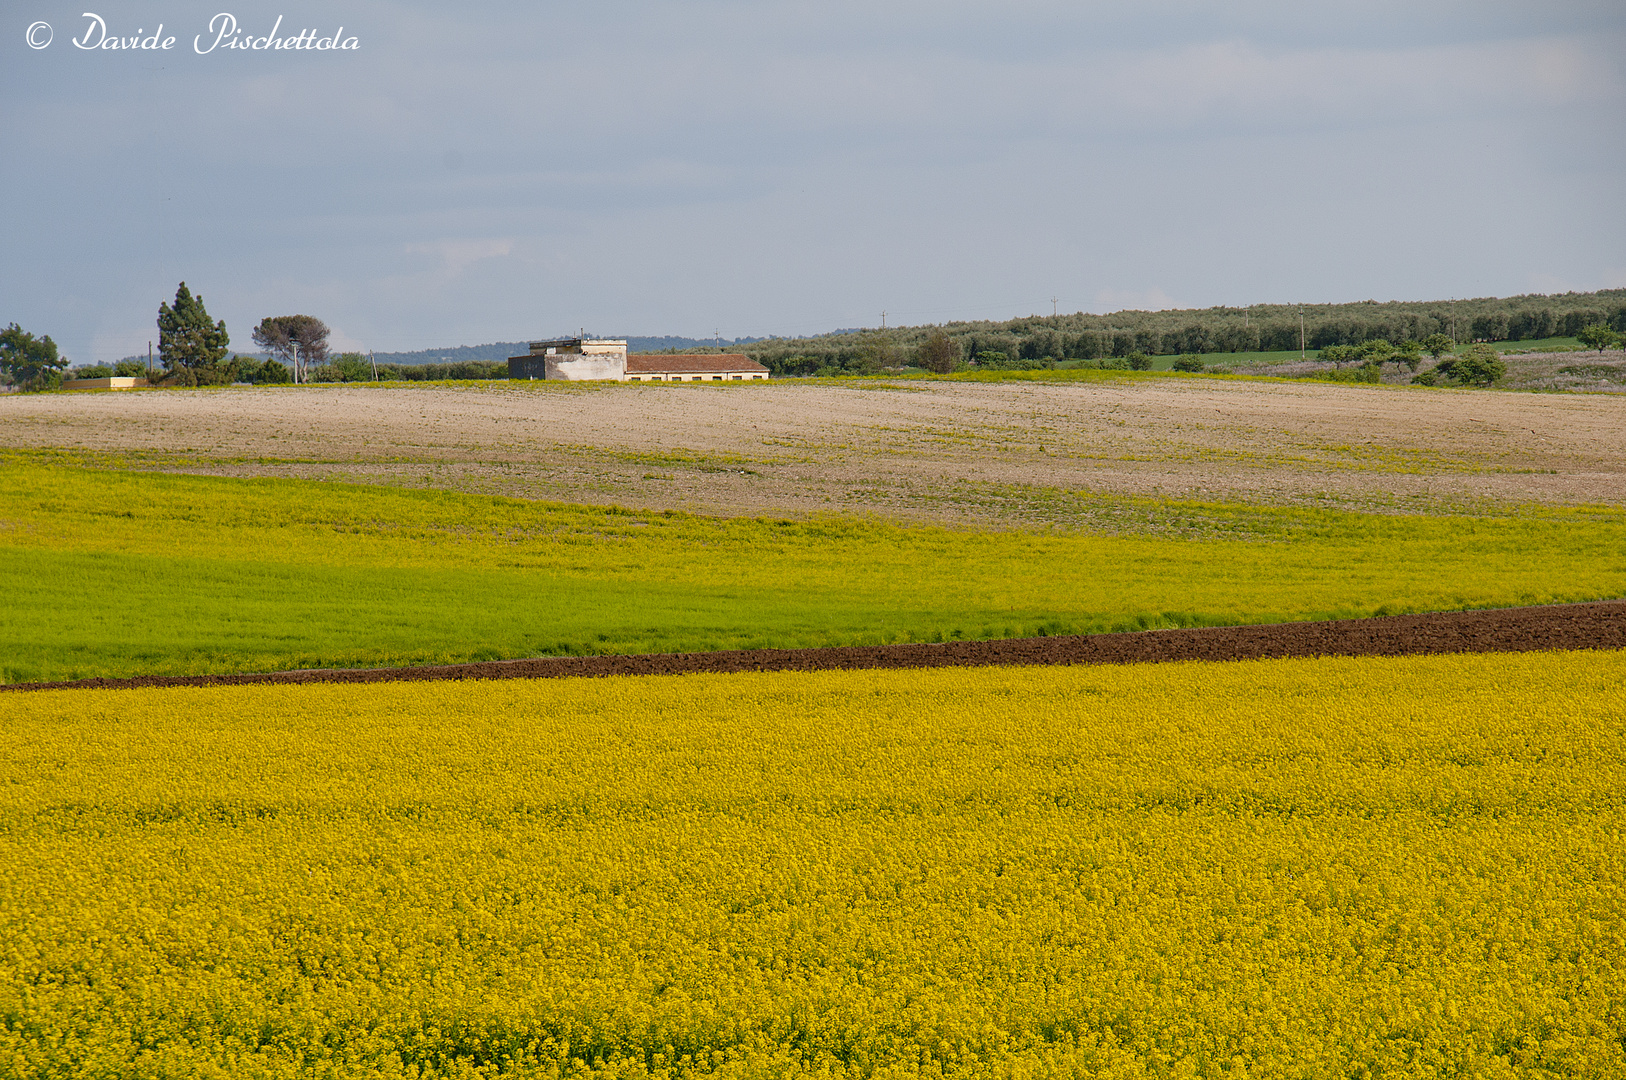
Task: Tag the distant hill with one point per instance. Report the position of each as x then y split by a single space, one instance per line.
501 350
682 344
142 357
1257 328
1082 336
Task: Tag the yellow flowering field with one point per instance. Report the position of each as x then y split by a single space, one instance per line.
1306 868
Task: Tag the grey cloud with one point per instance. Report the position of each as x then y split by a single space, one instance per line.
481 173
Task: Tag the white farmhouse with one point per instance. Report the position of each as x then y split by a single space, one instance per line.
603 358
693 367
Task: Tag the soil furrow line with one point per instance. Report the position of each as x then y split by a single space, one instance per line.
1597 625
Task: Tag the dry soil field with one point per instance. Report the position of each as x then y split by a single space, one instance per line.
1014 451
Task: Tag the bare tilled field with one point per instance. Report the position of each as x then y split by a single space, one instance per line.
1013 451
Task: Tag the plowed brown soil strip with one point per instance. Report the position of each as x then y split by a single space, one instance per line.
1599 625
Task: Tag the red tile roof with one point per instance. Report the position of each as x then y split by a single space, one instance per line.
691 364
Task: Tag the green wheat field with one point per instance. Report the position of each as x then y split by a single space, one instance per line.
111 573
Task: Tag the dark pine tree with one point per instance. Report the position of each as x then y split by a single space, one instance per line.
190 344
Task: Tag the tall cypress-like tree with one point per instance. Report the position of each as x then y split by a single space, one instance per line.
938 353
190 344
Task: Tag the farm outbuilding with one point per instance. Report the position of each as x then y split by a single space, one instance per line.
707 367
572 358
607 359
114 383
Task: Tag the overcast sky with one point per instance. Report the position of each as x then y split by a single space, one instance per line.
499 171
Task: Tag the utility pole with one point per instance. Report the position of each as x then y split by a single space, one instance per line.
1301 331
149 361
883 320
373 362
1053 307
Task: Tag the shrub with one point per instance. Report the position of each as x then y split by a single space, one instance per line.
461 369
1190 363
270 372
1606 372
1139 361
1378 349
352 367
1369 372
1437 345
938 354
998 361
1339 355
1480 366
43 380
1598 336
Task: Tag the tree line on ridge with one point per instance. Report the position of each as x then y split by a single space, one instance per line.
192 349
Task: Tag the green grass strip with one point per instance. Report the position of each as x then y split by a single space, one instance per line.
121 573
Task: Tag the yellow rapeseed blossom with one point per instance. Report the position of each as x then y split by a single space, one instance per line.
1338 867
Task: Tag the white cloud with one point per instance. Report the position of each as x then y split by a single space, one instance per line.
1153 299
779 165
458 255
340 342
